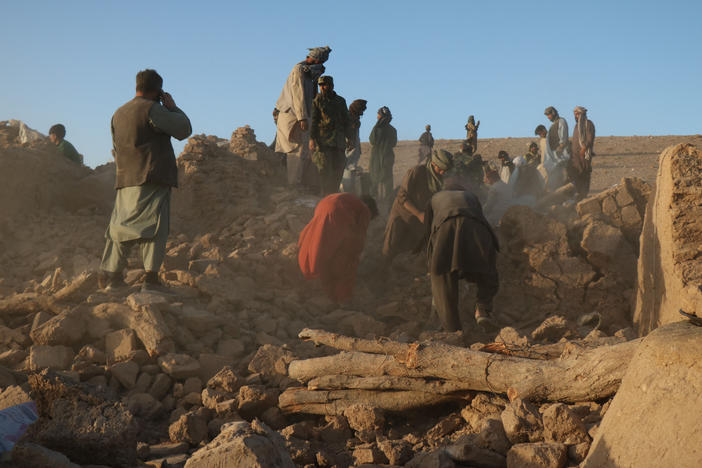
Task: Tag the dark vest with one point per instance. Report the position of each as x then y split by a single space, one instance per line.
142 154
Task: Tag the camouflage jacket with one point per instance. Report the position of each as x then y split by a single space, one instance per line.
331 122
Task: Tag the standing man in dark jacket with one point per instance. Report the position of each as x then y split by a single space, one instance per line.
146 170
383 138
331 127
462 245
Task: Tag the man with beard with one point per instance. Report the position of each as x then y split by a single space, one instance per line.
146 172
331 127
295 111
405 229
426 144
580 167
557 153
383 139
462 245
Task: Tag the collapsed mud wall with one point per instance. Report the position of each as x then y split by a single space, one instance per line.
669 268
572 265
242 302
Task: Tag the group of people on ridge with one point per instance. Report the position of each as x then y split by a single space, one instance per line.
438 205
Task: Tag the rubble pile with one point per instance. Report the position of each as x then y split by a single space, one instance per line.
195 378
578 263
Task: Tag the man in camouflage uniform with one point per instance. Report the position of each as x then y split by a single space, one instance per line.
331 126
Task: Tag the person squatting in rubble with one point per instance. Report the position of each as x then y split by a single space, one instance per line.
145 173
580 167
383 139
405 228
57 134
461 245
330 245
557 154
426 144
330 130
293 121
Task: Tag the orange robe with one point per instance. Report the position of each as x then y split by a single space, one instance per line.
330 245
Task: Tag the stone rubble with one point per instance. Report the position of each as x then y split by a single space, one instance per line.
194 379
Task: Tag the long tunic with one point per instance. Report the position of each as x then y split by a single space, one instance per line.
404 231
330 245
578 160
140 212
557 136
460 238
383 139
294 104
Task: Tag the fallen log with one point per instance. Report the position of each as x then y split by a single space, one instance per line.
339 382
329 402
583 375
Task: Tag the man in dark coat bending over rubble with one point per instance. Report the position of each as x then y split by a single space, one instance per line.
462 245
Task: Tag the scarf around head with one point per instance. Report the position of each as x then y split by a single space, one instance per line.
443 160
385 116
313 70
319 53
357 108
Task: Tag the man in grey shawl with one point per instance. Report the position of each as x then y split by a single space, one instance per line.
146 171
426 144
295 111
580 167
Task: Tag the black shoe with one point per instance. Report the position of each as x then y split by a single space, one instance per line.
486 324
111 281
153 285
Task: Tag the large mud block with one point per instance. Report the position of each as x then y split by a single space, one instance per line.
241 444
653 420
670 268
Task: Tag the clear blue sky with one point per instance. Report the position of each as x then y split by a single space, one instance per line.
636 65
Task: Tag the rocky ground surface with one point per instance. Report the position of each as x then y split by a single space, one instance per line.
133 379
